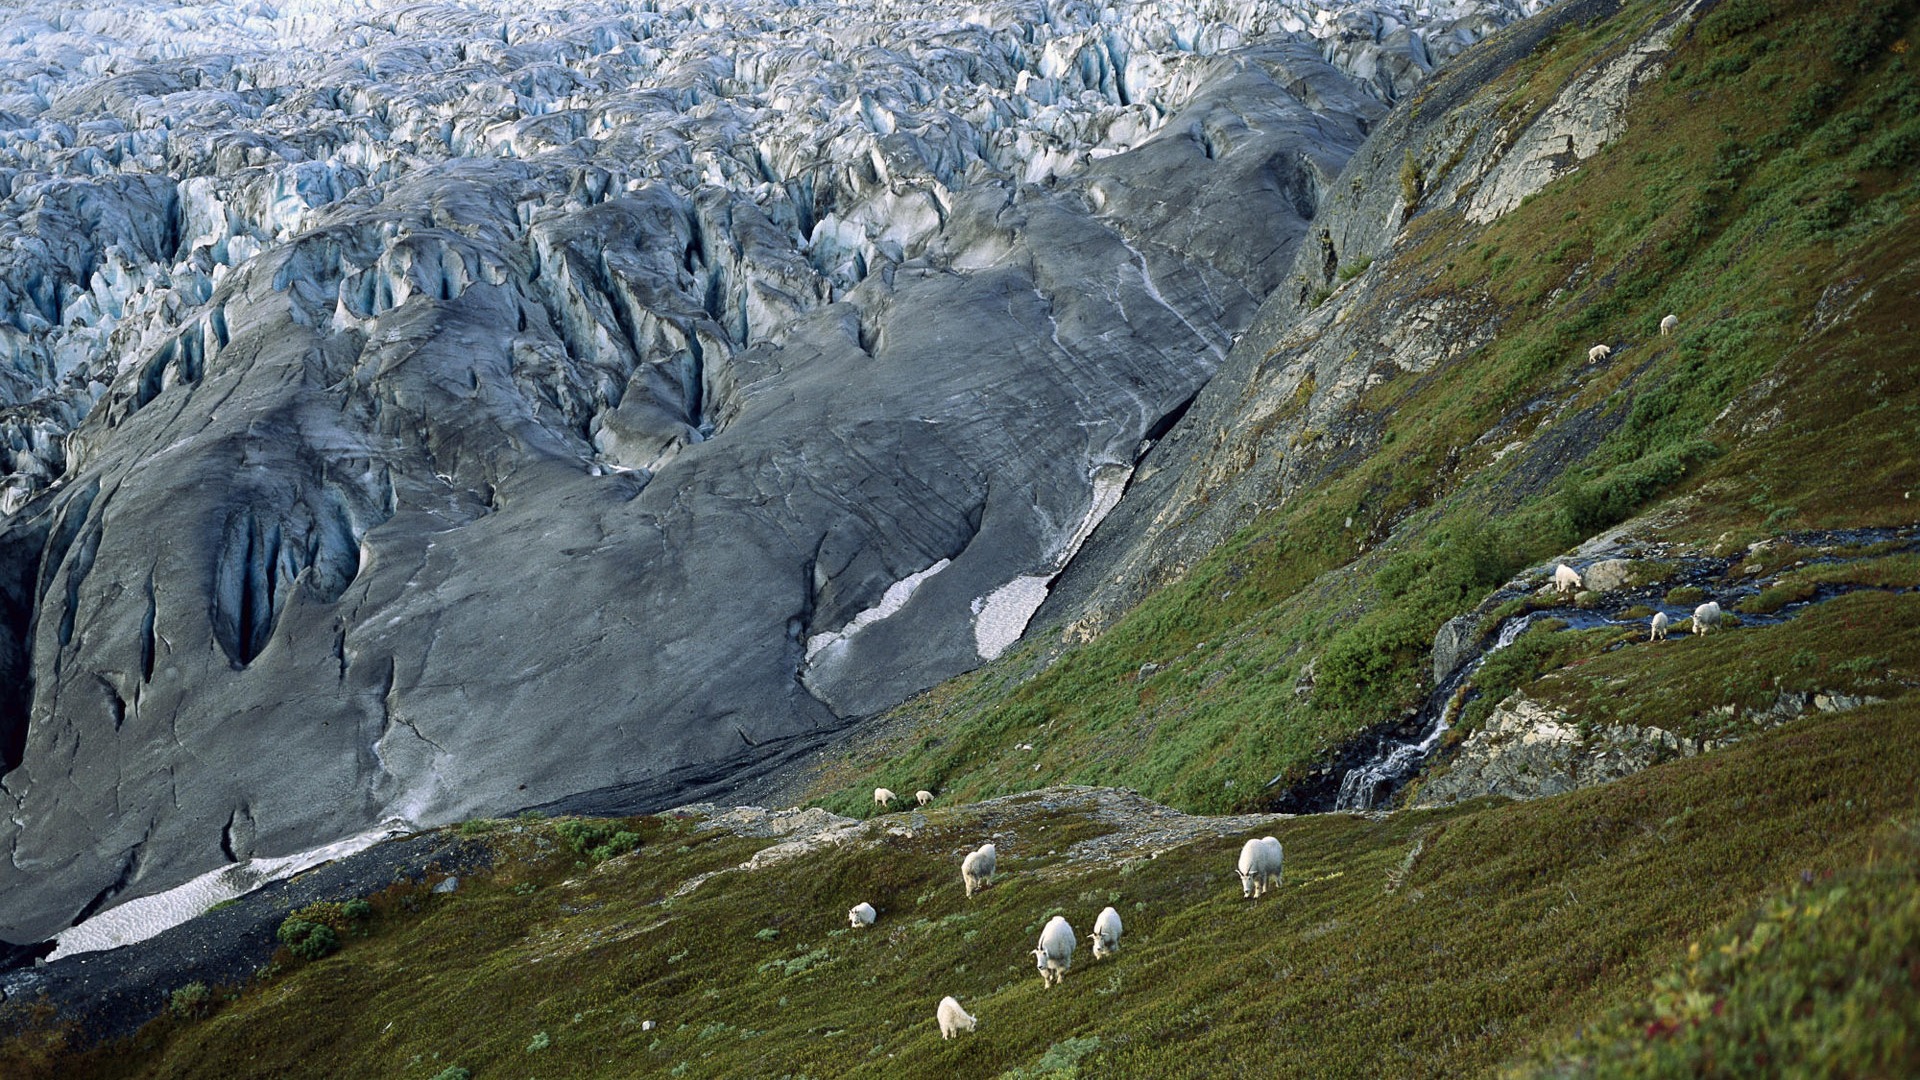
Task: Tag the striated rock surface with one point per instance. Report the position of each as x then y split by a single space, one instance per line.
1281 412
434 410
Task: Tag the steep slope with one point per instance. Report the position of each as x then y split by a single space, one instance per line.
1719 870
490 404
1371 491
1423 943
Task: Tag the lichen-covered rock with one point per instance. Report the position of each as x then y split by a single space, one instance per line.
1586 115
1609 575
1527 750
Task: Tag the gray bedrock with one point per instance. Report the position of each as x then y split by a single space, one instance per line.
433 412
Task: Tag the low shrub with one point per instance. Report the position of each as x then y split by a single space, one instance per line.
191 1001
597 840
307 940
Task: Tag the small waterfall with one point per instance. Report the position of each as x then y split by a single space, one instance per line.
1365 787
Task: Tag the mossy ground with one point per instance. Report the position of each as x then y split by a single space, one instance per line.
1763 191
1815 981
1442 943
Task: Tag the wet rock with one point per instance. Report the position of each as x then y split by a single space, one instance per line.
1456 642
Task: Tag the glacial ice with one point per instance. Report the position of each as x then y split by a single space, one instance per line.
1001 616
441 408
185 137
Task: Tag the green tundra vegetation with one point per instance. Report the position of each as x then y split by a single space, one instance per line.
1749 911
1735 913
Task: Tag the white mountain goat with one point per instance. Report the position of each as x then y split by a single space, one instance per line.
953 1018
1706 617
882 797
1659 627
1599 353
1259 867
1106 933
861 914
1668 325
1566 580
1055 954
923 796
976 870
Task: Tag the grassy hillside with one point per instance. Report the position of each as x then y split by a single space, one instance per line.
1763 191
1439 943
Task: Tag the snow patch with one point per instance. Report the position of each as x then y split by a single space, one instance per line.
138 920
896 598
1000 617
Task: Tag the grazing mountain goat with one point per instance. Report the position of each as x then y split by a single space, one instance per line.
1659 627
1706 617
923 797
1055 954
976 870
1259 866
1599 353
882 797
1566 580
861 914
1106 934
1668 325
953 1018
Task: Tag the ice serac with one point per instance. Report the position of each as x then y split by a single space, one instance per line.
432 410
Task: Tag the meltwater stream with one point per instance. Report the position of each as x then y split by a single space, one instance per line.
1367 786
1371 784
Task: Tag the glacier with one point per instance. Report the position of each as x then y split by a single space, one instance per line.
428 410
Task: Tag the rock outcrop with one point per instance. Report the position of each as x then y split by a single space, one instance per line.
432 411
1527 749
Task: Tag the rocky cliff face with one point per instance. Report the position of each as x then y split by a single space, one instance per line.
436 411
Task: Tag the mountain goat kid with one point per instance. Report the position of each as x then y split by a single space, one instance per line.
1659 631
953 1018
882 796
